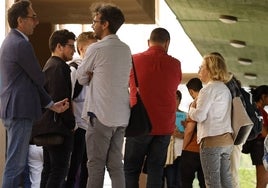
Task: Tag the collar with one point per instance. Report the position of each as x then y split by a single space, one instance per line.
111 36
158 48
24 36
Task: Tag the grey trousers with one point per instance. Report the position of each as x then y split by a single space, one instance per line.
104 150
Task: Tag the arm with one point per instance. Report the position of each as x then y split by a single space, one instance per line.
84 72
30 65
200 106
188 133
58 85
178 134
60 106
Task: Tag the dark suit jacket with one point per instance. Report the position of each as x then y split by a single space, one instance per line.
21 89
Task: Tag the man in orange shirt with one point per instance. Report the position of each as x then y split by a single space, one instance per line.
190 158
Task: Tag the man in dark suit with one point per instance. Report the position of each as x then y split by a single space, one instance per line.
21 89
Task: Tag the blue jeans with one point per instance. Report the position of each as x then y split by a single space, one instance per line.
26 176
216 165
154 149
18 137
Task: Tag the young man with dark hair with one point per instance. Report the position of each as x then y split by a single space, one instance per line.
190 157
58 85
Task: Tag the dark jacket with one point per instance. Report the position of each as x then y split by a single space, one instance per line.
58 85
22 93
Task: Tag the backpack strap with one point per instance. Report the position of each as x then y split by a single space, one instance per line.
74 64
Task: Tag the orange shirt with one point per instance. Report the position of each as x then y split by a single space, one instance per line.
193 146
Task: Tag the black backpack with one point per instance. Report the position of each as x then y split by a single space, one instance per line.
77 87
253 113
250 106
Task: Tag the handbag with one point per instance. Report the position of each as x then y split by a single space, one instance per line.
139 122
170 152
49 130
241 123
48 139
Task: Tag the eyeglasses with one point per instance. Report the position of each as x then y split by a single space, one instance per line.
33 17
70 45
96 21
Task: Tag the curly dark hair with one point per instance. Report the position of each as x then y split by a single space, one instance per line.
110 13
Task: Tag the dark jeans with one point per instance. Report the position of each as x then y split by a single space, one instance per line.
154 148
56 163
190 164
172 174
78 159
26 176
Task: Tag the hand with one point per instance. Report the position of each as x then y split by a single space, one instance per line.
178 134
193 104
90 75
183 123
60 106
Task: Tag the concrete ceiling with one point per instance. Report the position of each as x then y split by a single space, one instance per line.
78 11
199 18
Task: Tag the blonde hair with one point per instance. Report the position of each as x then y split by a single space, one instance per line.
216 67
83 38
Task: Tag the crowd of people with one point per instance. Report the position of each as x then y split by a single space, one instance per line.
94 95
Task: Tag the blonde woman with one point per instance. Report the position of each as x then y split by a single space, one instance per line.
212 112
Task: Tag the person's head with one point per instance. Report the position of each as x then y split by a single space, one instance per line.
178 98
83 41
107 19
61 44
159 37
194 85
218 54
21 16
213 68
260 95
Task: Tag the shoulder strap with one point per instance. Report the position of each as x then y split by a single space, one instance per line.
74 64
135 75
